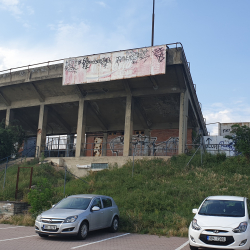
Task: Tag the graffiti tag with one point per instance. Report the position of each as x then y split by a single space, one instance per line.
159 54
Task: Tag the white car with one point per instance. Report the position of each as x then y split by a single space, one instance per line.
221 222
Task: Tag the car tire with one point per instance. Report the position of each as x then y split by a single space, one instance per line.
193 248
115 225
83 231
43 235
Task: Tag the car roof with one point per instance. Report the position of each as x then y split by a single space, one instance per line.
88 196
225 197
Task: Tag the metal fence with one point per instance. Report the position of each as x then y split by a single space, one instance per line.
227 149
61 148
12 160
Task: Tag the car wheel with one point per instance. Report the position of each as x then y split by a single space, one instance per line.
193 248
114 225
43 235
83 231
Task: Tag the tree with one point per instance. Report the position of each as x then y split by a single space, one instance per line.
11 138
241 139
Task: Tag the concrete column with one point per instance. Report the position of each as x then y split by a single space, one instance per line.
41 131
104 144
147 133
70 142
9 117
81 129
128 128
183 122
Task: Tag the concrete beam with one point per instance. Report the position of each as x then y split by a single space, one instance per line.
60 120
97 115
79 92
140 113
39 95
126 86
90 97
26 121
5 99
154 82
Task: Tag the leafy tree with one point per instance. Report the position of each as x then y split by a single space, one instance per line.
11 138
241 139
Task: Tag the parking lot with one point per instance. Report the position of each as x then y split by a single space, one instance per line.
18 237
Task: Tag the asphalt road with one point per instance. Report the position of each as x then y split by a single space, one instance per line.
25 238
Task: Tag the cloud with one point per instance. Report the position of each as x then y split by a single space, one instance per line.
101 3
238 111
69 40
11 5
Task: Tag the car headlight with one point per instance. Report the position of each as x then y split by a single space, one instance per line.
71 219
241 228
38 218
195 226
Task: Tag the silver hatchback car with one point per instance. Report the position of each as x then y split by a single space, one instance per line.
77 215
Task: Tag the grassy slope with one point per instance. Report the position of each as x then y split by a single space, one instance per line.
160 196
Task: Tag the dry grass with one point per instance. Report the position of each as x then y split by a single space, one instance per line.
19 220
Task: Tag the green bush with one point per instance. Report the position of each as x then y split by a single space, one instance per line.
41 196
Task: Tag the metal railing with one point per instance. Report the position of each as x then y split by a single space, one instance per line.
12 160
62 150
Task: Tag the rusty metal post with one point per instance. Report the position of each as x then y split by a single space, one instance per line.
17 180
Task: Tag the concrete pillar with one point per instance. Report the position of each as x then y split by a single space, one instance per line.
104 144
147 133
9 117
183 122
81 129
70 143
128 128
41 131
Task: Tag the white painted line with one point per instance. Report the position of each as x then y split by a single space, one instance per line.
11 227
99 241
183 245
19 238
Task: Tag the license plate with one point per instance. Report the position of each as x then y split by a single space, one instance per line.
216 238
49 227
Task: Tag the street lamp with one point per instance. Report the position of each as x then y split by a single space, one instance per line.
153 24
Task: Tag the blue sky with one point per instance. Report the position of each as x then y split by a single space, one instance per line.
215 35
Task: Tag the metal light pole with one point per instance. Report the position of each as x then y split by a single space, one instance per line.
153 24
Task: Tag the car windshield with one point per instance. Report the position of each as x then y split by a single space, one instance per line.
73 203
227 208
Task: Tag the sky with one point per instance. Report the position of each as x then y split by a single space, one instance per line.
215 35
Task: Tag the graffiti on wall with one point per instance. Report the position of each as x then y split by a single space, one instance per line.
116 65
145 145
219 144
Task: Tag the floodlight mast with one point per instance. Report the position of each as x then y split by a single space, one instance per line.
153 24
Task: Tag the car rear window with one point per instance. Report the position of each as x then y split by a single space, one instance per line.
227 208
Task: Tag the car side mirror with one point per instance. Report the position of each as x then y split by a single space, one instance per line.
53 206
194 210
95 208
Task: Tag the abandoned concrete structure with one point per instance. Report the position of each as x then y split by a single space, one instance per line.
131 113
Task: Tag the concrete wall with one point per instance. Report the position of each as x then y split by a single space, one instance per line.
72 162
